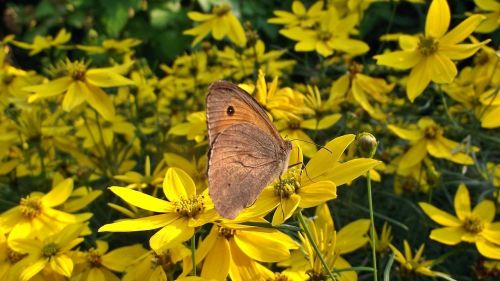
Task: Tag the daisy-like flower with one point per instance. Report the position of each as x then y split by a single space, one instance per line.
332 34
384 241
95 131
491 10
474 226
80 84
98 264
411 265
430 56
53 252
37 216
314 185
195 127
184 211
41 43
428 137
9 260
220 22
299 15
332 245
233 249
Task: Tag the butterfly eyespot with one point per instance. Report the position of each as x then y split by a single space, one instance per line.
230 110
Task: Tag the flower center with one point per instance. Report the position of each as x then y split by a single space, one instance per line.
279 277
288 184
76 70
481 58
94 258
50 250
227 233
221 10
324 35
427 45
164 260
14 256
473 225
191 207
294 124
31 207
432 132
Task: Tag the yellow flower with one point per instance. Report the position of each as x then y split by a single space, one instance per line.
137 181
490 9
428 137
474 226
81 84
111 45
384 241
53 252
332 245
233 249
184 211
9 260
195 168
332 34
41 43
96 132
414 264
97 264
220 22
156 264
37 216
299 15
430 56
494 171
315 184
194 129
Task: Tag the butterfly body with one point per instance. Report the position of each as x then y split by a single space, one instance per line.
246 151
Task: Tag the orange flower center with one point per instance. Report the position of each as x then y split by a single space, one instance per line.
227 233
94 258
163 260
76 70
324 35
432 132
473 225
287 185
31 207
191 207
427 45
50 250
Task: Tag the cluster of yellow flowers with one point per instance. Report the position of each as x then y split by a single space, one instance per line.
87 151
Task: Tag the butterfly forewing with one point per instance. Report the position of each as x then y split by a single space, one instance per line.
243 161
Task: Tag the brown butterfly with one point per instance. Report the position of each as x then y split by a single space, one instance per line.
246 151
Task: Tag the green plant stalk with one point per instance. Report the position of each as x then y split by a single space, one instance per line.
193 257
372 227
313 243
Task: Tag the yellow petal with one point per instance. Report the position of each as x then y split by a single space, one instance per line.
119 259
462 202
492 233
33 269
298 8
96 274
406 134
414 155
51 88
322 48
485 210
265 245
176 232
490 118
62 265
400 59
142 200
438 19
100 101
448 235
461 51
328 121
488 249
352 236
197 16
462 31
317 193
241 267
146 223
441 68
74 96
286 209
219 28
236 32
350 170
305 45
178 185
216 265
59 193
440 216
350 46
438 149
418 80
106 79
488 5
207 244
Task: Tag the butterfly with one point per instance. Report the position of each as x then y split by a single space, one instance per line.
246 151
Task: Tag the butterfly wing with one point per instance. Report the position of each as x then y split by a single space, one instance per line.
243 160
227 104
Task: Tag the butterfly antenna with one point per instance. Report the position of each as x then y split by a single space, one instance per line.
317 145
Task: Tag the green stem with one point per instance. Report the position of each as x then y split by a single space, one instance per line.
193 257
313 243
354 268
372 227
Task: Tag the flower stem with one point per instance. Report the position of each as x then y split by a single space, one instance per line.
193 257
313 243
372 227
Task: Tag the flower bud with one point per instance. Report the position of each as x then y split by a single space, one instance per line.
366 144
